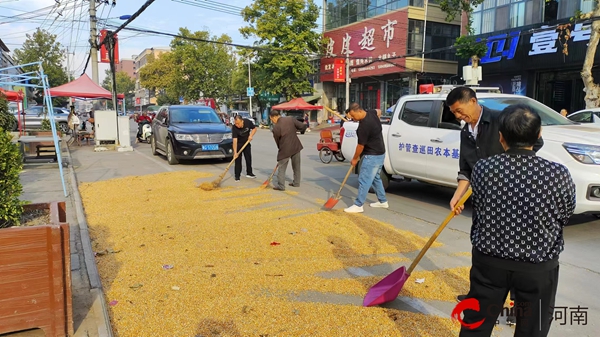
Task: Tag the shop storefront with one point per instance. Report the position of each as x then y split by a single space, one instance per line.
381 54
532 61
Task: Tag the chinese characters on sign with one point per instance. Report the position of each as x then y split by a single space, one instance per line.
330 45
542 42
346 45
388 32
429 150
368 37
339 71
574 315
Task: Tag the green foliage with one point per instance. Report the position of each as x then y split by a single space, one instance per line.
289 27
125 84
7 119
42 46
11 208
46 126
165 98
465 45
192 67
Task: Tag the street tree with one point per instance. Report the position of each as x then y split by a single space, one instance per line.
466 45
160 75
287 30
202 67
240 80
591 88
42 46
125 85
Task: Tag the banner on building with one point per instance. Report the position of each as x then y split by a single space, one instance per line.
339 70
104 51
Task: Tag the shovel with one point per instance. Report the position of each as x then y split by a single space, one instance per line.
211 186
388 289
333 201
266 183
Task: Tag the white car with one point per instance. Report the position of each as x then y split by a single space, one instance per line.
586 116
423 142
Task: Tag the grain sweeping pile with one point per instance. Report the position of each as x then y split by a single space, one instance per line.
229 261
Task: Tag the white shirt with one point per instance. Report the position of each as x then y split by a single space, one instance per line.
474 129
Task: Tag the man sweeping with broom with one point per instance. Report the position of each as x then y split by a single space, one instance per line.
371 147
289 145
242 131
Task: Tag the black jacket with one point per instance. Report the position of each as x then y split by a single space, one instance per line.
486 145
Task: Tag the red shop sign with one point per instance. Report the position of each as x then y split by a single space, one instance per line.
339 70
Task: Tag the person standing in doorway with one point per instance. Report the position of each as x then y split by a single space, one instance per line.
372 149
242 131
479 139
517 232
289 145
307 122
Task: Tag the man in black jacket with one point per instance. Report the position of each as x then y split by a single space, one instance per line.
517 231
479 139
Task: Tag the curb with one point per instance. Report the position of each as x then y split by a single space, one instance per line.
104 328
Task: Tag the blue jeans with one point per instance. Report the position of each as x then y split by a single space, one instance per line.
368 176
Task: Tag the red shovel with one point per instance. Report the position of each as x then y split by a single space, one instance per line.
388 289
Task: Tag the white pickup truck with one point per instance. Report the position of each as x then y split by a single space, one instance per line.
422 142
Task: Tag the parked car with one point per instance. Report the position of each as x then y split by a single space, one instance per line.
586 116
33 117
423 143
190 132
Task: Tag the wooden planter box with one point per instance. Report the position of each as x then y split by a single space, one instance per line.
35 275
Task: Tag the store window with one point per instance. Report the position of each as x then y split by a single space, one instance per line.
494 15
438 37
341 13
414 43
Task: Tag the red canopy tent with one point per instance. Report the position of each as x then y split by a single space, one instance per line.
83 87
12 96
296 104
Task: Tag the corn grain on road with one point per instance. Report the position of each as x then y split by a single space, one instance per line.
414 207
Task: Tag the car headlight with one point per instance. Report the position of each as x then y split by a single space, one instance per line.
184 137
586 154
227 136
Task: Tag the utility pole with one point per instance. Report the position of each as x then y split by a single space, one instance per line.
93 41
347 82
249 86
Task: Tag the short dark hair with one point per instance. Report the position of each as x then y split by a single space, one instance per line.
520 125
355 107
239 117
274 113
460 94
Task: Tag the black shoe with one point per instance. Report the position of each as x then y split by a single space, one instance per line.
251 176
292 184
461 297
511 320
277 188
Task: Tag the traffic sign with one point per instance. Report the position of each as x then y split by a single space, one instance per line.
249 91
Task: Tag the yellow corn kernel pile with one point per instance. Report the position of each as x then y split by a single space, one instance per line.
186 262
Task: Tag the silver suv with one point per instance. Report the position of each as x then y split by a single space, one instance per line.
33 117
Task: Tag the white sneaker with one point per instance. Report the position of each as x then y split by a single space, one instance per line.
380 204
354 209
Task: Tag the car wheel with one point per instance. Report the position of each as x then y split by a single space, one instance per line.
153 146
385 180
64 127
170 155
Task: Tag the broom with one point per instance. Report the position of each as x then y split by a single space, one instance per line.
211 186
337 114
333 201
266 183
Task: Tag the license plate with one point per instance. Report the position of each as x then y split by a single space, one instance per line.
210 147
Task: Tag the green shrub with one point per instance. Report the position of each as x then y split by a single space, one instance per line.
11 163
46 125
7 120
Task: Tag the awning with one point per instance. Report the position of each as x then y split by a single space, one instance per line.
312 98
83 87
296 104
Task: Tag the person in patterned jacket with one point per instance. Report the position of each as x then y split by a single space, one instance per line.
521 203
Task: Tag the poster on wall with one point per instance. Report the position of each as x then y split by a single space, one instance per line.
516 84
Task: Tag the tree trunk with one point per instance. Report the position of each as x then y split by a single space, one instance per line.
592 90
475 61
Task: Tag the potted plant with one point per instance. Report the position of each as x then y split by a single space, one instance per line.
34 256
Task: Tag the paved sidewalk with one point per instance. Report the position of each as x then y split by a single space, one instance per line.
42 183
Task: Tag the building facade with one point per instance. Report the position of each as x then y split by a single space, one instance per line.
128 66
529 50
143 96
383 42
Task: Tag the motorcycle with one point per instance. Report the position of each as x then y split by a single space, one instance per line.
146 132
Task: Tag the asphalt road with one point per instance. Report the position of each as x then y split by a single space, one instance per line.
414 206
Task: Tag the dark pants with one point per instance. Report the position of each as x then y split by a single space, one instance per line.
238 161
534 291
283 167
